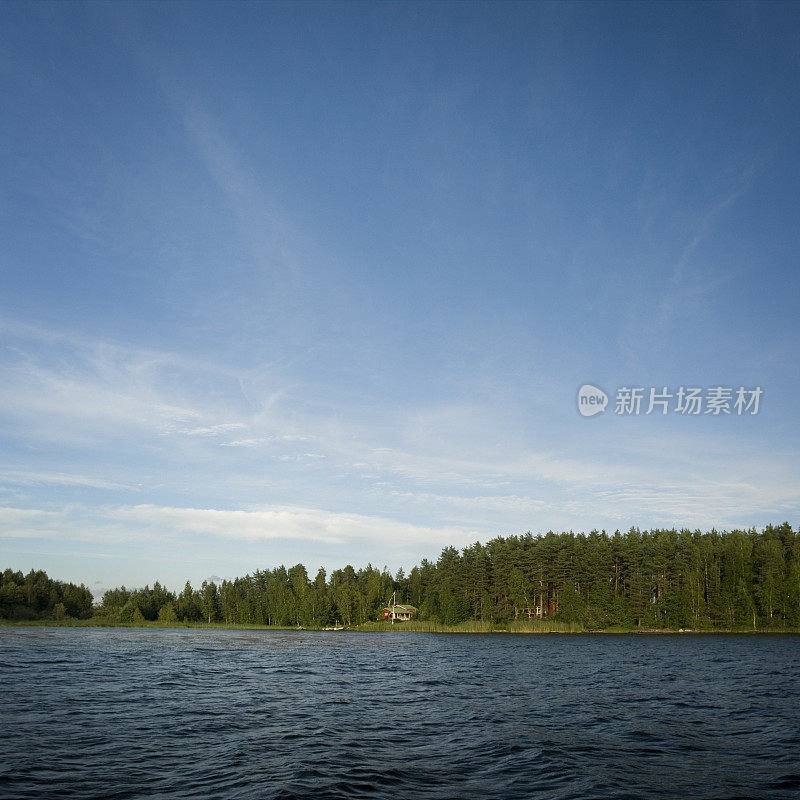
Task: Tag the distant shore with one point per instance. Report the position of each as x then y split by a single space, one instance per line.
382 627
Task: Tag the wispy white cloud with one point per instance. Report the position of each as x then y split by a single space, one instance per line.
66 386
216 430
461 471
11 516
703 225
263 225
257 442
282 522
503 503
44 478
25 523
146 521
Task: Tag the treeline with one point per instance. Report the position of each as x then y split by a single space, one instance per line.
286 597
35 596
647 579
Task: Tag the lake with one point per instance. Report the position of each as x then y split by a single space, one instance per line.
124 713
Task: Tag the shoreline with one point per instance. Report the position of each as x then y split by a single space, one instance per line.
400 628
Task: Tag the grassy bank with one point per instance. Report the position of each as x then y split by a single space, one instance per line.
545 626
476 626
99 622
417 626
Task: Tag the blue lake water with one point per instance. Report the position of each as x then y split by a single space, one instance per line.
93 713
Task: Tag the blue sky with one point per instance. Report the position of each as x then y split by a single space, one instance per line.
320 282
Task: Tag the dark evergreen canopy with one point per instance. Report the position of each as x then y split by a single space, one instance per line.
649 579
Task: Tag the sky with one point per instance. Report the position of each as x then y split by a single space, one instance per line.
320 282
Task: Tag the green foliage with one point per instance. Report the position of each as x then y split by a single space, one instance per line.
35 596
130 612
570 606
167 613
209 601
638 580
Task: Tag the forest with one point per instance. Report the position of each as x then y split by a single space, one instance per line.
35 596
657 579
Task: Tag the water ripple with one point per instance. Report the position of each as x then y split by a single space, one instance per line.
265 715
